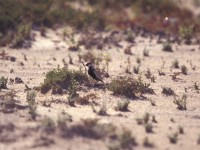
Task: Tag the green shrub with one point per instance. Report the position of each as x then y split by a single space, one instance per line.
181 102
30 97
62 78
186 32
175 64
184 70
129 87
3 82
167 47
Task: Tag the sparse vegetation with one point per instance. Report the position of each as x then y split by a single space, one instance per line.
196 87
48 124
73 95
128 51
127 141
8 102
3 82
198 140
186 32
62 121
181 102
160 72
153 103
122 105
85 100
184 70
146 53
181 130
147 143
167 47
129 87
136 69
173 138
148 128
175 64
138 60
30 97
62 79
167 91
91 129
103 109
71 33
149 75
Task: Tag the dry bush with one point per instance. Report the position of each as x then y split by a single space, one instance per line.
85 100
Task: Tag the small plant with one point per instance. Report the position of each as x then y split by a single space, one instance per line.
136 69
153 103
85 100
167 91
160 72
181 102
175 76
138 60
130 37
184 70
154 119
128 66
48 124
149 75
175 64
173 138
122 105
127 141
7 101
147 143
90 128
30 97
62 120
73 96
196 87
193 67
144 120
129 87
181 130
186 33
148 128
103 110
167 47
146 53
198 140
3 82
128 51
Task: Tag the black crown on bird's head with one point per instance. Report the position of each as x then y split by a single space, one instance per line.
89 64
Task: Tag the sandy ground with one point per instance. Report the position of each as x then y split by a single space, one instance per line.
47 53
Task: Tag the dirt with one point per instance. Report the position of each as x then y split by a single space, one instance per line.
47 54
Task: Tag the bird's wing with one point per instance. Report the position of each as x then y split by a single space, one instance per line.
97 74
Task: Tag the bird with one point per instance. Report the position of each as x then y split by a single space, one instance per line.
93 72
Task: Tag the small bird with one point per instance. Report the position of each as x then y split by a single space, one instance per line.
93 73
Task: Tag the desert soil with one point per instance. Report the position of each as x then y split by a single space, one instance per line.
47 54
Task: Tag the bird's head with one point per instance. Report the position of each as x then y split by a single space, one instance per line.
89 65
